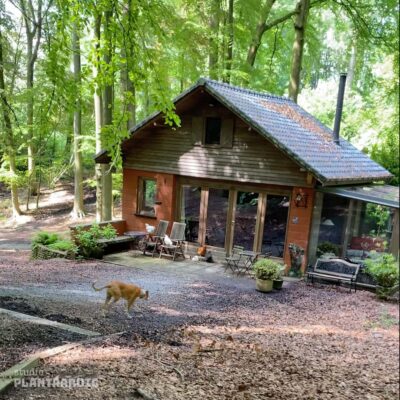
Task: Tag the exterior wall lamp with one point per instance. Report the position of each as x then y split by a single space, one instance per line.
301 200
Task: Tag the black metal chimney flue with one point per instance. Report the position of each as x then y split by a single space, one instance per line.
339 108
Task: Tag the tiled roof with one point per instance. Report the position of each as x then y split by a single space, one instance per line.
298 134
294 131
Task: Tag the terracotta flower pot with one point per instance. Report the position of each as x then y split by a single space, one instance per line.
264 285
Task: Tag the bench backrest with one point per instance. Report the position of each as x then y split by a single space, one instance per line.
336 267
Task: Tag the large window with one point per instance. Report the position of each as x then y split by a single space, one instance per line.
147 197
353 228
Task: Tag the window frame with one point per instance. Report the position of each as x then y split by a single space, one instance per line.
141 201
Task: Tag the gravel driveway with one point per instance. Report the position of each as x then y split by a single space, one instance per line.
204 334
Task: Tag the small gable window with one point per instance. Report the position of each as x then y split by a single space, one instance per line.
213 131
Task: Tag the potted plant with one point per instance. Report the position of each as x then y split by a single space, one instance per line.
278 281
266 271
385 271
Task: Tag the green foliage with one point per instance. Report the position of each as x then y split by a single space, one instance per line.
117 185
378 216
154 42
108 232
327 247
267 269
63 245
87 240
385 270
44 238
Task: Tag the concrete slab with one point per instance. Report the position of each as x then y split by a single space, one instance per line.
47 322
137 260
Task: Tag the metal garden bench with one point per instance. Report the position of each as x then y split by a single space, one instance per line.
336 270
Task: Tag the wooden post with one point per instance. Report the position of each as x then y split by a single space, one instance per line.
259 229
230 221
357 217
203 215
394 243
348 227
315 224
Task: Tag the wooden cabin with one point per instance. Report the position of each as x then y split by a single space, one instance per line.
243 169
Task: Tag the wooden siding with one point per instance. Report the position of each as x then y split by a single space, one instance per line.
251 159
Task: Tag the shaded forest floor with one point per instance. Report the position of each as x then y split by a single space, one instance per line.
53 214
202 335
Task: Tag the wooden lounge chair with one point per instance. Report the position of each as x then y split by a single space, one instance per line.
153 242
178 238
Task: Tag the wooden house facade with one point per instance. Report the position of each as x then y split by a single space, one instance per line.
243 169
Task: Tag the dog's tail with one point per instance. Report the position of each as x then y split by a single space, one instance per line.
99 289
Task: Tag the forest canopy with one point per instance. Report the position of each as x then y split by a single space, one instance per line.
75 75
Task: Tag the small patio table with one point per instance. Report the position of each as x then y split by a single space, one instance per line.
249 257
137 235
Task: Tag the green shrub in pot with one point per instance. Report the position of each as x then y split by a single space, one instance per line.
278 281
266 271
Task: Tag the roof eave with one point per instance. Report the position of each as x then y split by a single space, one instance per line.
355 181
102 157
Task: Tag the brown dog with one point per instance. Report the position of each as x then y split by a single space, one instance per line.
117 289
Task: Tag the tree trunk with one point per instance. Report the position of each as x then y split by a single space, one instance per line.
256 39
29 118
229 55
213 40
128 86
303 8
33 28
77 211
108 115
98 122
352 64
9 137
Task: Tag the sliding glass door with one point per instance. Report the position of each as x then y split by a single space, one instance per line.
190 211
245 219
217 210
274 233
224 216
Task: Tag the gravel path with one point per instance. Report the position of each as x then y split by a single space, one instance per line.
205 335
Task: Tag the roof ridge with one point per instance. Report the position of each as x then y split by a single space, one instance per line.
245 90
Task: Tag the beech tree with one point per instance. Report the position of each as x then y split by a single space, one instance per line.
136 56
302 10
9 148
